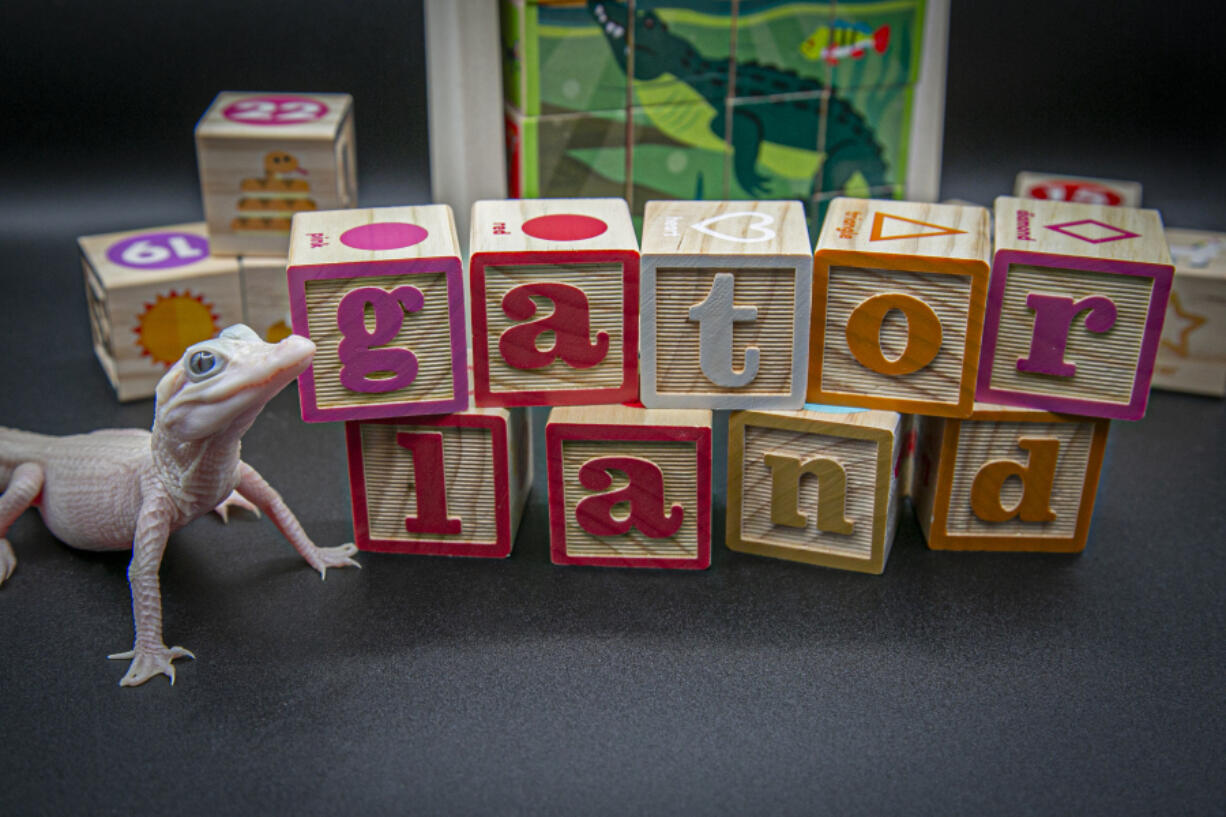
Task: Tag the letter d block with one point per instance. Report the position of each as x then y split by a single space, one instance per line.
555 295
451 485
1075 307
815 486
629 487
1008 479
898 299
381 294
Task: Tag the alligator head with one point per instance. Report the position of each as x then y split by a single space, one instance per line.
655 49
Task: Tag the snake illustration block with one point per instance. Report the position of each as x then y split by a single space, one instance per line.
1192 354
1008 478
151 294
451 485
629 486
555 298
1075 307
1081 189
898 298
725 304
382 295
820 485
265 157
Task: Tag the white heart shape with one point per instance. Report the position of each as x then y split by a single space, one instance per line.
758 225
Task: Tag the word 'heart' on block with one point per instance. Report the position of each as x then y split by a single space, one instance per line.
820 485
555 299
1192 354
1079 189
451 485
381 294
1008 478
899 294
629 487
1075 307
725 304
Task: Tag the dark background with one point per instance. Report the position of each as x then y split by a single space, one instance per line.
953 684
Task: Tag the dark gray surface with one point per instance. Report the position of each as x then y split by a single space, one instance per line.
953 684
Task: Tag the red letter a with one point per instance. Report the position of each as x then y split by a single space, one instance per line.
644 495
568 322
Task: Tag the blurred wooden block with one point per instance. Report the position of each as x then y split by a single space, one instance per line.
1008 479
899 294
265 296
1078 189
725 304
151 294
381 294
555 293
265 157
819 486
629 487
1075 307
1192 354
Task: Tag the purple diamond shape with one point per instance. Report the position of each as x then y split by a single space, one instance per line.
1118 233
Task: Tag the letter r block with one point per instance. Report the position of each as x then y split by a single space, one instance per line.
820 485
629 487
381 294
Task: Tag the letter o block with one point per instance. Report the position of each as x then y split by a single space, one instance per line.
898 300
555 295
819 485
629 487
380 293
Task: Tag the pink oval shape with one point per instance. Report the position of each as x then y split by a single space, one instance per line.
564 227
384 235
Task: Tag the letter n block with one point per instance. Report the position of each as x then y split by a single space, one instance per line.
819 486
726 290
555 295
380 293
451 485
629 487
1075 307
898 300
1008 479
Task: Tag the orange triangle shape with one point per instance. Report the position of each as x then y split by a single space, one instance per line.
879 222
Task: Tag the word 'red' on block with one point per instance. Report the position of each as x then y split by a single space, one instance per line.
451 485
1075 307
381 294
1008 478
899 294
1192 354
265 157
818 486
629 487
1079 189
725 304
555 300
151 294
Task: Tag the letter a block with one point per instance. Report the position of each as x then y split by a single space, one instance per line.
1008 479
725 304
1075 307
898 299
555 295
381 294
629 487
452 485
818 486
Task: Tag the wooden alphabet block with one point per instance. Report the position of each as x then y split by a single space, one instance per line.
1008 478
151 294
555 294
898 300
381 294
451 485
629 487
265 296
1079 189
265 157
1192 354
819 486
1075 307
725 304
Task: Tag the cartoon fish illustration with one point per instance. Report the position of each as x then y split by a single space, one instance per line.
842 39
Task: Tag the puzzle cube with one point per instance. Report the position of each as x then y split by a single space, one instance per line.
725 304
265 296
629 487
1008 478
1080 189
554 286
1192 354
265 157
380 293
1075 307
818 485
151 294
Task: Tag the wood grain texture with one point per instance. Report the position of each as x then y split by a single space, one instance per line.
497 226
265 296
1025 224
1192 353
1024 186
907 228
619 415
316 236
717 228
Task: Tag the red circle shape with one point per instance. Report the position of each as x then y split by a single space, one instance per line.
385 235
564 227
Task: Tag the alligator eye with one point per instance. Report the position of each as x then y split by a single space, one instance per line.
201 364
650 22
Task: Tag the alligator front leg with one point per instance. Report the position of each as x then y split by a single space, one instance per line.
23 488
747 134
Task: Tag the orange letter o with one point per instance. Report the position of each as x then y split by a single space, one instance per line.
923 333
